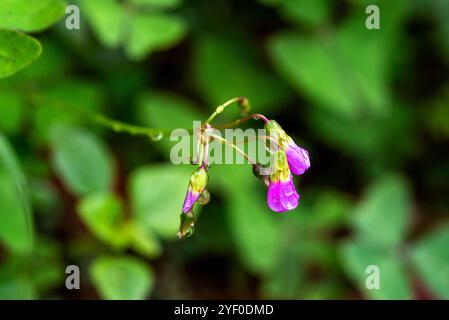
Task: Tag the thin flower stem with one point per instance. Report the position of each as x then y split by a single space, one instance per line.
206 153
255 116
121 127
200 158
259 137
114 125
240 100
251 161
198 146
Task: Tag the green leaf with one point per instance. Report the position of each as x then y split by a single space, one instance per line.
103 215
11 111
226 67
356 257
368 139
52 65
308 64
143 240
106 18
121 278
81 160
157 3
353 62
16 222
431 258
151 32
30 15
330 210
383 214
255 230
16 288
157 194
17 51
312 12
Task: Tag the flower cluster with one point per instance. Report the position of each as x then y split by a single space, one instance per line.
289 160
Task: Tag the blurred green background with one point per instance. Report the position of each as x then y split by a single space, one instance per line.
371 106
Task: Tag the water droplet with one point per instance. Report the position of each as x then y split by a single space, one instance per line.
156 136
204 197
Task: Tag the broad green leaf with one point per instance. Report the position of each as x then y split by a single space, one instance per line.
357 257
17 51
227 67
52 64
366 138
30 15
312 12
255 230
368 55
157 3
11 111
121 278
431 258
143 240
330 209
81 160
151 32
46 265
16 222
353 62
383 214
16 288
106 18
157 194
103 215
308 64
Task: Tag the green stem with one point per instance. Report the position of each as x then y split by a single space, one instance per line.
114 125
240 100
255 116
235 147
121 127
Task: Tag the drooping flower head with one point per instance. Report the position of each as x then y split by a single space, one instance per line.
197 185
195 192
297 157
282 195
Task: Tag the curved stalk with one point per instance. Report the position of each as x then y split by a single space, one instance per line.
243 102
222 140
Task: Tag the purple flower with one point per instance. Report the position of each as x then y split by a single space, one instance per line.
189 201
282 195
297 158
195 192
197 185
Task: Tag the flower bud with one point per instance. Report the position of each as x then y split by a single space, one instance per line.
197 185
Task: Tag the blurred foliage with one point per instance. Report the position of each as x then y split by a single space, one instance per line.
371 106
